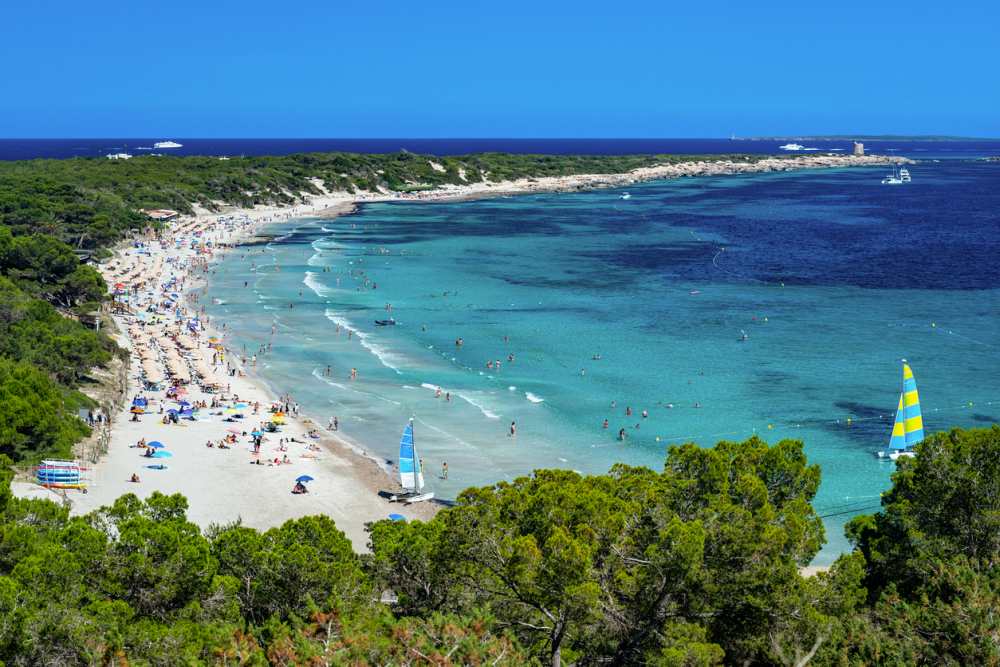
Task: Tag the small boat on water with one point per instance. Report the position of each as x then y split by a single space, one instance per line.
411 477
386 323
908 427
626 195
898 176
167 144
792 147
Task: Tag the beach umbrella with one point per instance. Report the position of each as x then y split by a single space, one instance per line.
303 478
183 404
231 411
241 405
397 517
161 455
256 434
156 444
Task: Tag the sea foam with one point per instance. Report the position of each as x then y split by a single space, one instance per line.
385 356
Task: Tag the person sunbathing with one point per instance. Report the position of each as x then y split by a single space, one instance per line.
134 478
299 488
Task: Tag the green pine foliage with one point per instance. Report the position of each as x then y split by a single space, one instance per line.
694 565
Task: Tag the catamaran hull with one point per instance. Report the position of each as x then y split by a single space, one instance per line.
407 498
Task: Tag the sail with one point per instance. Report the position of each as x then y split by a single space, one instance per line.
898 438
410 475
913 424
908 428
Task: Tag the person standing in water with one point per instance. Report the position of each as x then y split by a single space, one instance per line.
513 429
444 470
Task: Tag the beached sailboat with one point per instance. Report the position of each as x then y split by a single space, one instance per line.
908 427
411 477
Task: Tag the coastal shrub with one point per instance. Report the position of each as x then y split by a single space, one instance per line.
597 569
35 421
33 331
695 565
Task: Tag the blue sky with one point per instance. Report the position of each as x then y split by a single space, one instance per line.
497 69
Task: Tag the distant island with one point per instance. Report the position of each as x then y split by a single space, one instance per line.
864 137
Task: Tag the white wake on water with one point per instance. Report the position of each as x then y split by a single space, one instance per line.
533 398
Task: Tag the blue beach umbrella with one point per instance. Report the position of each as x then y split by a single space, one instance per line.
256 434
397 517
156 444
303 478
161 455
183 404
241 406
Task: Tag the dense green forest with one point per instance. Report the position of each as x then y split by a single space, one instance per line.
698 564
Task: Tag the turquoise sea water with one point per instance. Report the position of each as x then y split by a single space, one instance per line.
832 277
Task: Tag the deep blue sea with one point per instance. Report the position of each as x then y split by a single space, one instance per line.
609 304
24 149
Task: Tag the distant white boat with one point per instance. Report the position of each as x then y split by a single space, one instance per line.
792 147
626 196
897 177
167 144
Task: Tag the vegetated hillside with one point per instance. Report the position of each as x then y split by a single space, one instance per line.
91 202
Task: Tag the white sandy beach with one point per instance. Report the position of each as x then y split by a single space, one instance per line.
223 485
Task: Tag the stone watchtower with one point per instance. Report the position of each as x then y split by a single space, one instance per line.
859 148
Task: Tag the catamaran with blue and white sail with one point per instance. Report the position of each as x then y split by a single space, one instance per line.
908 427
411 476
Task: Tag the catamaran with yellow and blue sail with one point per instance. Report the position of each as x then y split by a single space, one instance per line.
908 428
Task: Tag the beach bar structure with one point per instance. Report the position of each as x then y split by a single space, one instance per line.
57 474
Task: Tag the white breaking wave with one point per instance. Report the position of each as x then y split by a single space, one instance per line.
489 414
427 385
533 398
386 357
326 244
315 285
